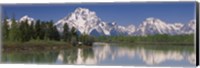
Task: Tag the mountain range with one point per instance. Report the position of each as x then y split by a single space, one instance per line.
87 22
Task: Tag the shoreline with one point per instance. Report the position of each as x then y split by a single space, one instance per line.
39 46
52 45
158 43
153 43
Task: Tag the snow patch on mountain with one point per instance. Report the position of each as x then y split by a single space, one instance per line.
152 26
29 19
82 19
189 28
22 19
87 21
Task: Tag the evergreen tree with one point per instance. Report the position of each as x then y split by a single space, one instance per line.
73 34
5 29
66 32
24 29
14 31
56 35
51 30
42 31
37 29
47 31
73 31
32 31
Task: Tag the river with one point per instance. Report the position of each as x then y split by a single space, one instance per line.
110 54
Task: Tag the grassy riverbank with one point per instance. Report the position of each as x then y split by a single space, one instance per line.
151 39
156 43
38 45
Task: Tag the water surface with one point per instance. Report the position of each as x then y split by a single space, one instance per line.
110 54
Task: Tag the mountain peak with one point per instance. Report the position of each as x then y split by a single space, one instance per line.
83 11
178 24
150 18
192 22
86 21
82 18
82 14
131 25
79 9
112 23
152 21
26 17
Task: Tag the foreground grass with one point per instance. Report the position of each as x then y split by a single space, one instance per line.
34 42
38 45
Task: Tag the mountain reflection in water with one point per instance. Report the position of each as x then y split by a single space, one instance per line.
107 54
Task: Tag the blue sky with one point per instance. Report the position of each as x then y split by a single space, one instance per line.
122 13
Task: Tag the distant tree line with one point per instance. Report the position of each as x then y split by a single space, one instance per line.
151 38
22 31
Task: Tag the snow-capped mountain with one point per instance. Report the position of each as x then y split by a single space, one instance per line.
130 29
9 22
189 28
153 26
24 18
29 19
82 19
87 22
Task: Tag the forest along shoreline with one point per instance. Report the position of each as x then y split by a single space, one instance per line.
42 35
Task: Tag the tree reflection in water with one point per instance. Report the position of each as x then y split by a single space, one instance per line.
102 53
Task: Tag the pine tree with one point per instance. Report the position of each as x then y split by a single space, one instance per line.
73 33
32 32
24 31
42 31
51 30
47 32
66 33
27 31
13 35
56 35
37 29
21 28
5 29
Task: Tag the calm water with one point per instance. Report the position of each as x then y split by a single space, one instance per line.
110 54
